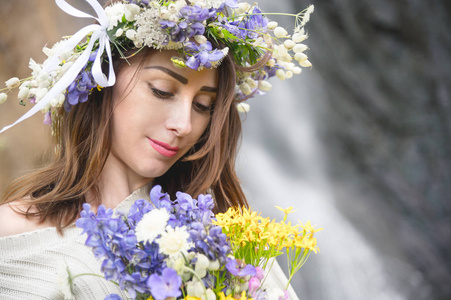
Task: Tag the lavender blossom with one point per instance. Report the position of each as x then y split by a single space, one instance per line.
239 270
165 286
78 91
202 55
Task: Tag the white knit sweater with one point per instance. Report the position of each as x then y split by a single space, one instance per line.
29 263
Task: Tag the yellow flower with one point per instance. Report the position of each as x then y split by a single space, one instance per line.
244 297
222 296
309 228
190 298
286 211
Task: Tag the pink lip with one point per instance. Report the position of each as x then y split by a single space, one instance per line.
163 148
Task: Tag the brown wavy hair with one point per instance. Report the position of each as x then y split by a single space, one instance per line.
57 191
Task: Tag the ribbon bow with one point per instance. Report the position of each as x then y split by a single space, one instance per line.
99 33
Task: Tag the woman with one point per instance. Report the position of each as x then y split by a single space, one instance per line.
159 123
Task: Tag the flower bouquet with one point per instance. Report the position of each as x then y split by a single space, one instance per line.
180 250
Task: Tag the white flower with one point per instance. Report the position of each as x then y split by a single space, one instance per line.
51 51
172 8
288 74
214 265
297 70
180 4
300 57
178 264
307 14
23 93
280 74
242 8
174 240
173 18
201 39
61 98
195 288
3 97
44 79
151 225
289 44
245 88
35 67
257 42
12 83
281 50
280 32
299 37
274 293
251 82
272 25
268 39
131 10
164 13
265 86
214 3
149 32
305 64
119 32
63 69
131 34
64 280
201 266
272 62
54 102
243 107
299 48
58 100
208 295
39 93
114 14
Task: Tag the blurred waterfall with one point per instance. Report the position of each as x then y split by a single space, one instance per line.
284 161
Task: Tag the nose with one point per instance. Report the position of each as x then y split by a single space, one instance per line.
179 120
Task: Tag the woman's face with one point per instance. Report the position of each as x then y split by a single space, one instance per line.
159 115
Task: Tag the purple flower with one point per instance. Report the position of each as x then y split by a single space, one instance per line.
112 241
260 274
202 55
166 285
240 271
254 284
79 89
210 240
158 198
112 297
48 118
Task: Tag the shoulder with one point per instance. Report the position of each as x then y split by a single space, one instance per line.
12 222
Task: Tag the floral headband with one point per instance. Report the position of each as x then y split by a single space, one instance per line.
73 67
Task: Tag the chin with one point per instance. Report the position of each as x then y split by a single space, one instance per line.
153 172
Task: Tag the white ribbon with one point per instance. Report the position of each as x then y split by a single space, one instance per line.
99 32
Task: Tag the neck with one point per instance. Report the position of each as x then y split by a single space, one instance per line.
116 184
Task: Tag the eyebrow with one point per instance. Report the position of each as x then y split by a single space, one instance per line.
170 72
182 79
209 89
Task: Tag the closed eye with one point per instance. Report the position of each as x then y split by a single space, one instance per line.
159 93
202 108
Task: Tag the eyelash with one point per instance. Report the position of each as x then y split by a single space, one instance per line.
160 94
165 95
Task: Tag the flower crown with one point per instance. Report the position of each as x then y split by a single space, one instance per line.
73 67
